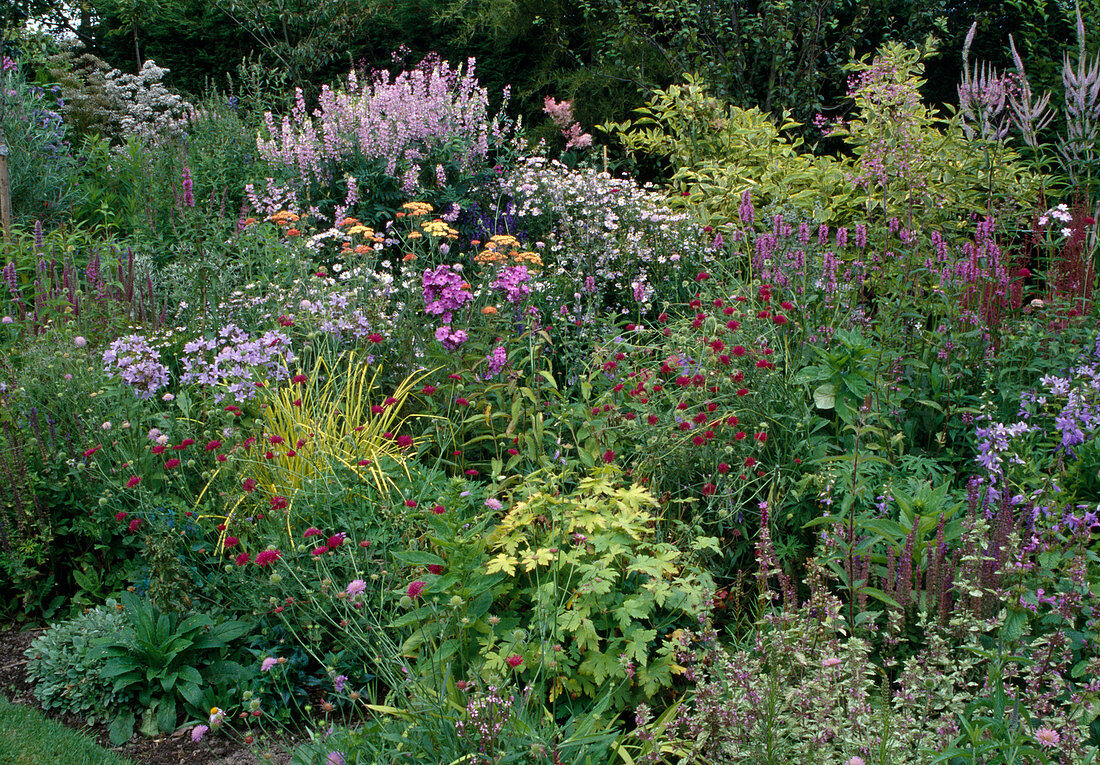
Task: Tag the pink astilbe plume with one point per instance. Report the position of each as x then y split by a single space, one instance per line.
561 114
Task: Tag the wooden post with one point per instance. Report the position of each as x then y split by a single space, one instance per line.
5 189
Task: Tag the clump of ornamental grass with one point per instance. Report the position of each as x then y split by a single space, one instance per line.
333 424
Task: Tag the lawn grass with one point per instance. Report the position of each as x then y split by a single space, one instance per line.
27 737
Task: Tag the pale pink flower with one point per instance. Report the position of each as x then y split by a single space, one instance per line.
1047 736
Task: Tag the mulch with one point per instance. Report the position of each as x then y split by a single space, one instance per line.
171 749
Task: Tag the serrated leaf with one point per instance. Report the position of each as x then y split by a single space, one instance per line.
825 396
502 563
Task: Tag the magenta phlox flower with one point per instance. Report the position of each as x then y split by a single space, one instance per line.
444 292
513 282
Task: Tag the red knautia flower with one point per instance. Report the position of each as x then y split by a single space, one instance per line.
762 437
242 559
415 588
134 524
231 541
93 450
279 503
274 439
120 515
158 448
723 468
428 390
608 456
404 441
312 531
439 509
298 379
172 463
750 461
738 350
652 419
461 401
319 550
269 455
267 557
335 540
435 568
377 409
213 445
134 481
410 503
248 484
742 391
514 661
375 338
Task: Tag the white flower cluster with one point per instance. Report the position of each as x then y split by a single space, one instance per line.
1061 214
144 107
609 231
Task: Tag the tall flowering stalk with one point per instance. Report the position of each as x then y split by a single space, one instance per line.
401 120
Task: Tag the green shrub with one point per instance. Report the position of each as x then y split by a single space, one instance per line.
65 672
40 163
573 590
905 162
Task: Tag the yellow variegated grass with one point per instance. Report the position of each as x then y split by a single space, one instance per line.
338 430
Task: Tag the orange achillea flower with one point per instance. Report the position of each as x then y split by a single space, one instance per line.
293 232
415 235
250 222
283 217
409 256
415 209
350 222
489 310
362 249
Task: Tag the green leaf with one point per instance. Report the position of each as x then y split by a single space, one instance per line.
166 715
825 396
122 729
417 558
881 596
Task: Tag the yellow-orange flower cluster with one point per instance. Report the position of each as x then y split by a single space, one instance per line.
504 248
415 209
283 218
438 227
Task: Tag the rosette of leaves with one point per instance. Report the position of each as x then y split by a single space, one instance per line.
63 671
168 662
